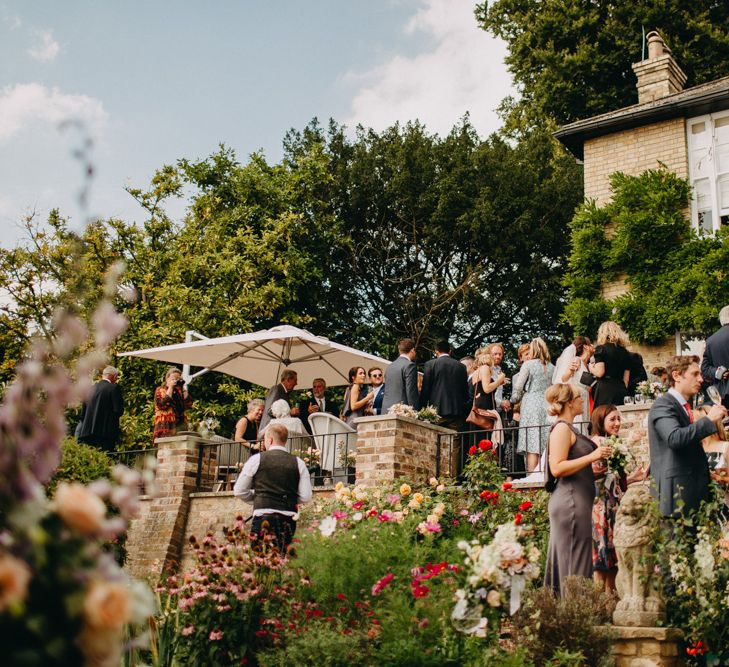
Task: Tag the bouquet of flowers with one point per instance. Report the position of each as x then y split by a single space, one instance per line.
403 410
207 426
345 457
495 574
621 457
428 414
311 457
649 389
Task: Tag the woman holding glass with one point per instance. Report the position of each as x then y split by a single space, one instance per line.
572 486
570 366
356 401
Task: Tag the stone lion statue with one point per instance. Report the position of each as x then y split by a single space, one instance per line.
638 585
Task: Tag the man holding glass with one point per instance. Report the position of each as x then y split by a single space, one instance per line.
678 464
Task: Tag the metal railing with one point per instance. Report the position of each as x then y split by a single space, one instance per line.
132 458
510 445
328 456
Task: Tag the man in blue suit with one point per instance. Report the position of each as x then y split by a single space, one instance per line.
377 383
678 465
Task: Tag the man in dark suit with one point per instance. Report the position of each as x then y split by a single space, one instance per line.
401 378
678 463
317 403
715 363
377 384
445 387
101 413
289 378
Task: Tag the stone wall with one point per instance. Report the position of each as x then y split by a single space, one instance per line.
633 152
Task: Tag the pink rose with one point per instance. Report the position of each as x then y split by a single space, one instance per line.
79 508
14 579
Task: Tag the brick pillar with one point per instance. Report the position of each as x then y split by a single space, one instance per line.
155 540
390 447
634 430
646 647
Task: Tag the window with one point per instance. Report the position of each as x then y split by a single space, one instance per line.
708 145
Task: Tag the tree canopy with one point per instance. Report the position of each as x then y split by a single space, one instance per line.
572 59
363 238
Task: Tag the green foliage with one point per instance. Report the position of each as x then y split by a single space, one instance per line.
572 59
677 279
363 239
558 630
79 463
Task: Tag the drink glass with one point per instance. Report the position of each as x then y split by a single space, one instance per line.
628 400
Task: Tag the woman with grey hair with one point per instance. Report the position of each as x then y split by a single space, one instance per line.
246 430
299 438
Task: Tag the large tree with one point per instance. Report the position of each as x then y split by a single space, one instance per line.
571 58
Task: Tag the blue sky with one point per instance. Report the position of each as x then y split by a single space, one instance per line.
156 81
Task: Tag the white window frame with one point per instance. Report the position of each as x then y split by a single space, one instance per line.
709 170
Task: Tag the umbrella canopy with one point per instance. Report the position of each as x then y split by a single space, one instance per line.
260 357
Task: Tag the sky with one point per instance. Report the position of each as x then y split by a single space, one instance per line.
154 81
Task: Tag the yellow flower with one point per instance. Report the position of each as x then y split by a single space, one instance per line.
339 486
79 508
405 490
417 497
106 606
439 509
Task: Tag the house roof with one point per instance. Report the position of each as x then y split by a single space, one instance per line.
706 98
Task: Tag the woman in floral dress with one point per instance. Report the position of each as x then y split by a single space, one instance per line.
609 490
533 380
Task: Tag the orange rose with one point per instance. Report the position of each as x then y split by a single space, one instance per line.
14 579
106 606
79 508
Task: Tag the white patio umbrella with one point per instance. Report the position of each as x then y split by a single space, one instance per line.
259 357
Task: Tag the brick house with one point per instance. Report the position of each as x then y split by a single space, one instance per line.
686 130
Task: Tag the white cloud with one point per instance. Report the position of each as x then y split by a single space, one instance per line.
45 48
463 71
27 103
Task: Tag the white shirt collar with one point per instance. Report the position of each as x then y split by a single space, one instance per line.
270 447
678 396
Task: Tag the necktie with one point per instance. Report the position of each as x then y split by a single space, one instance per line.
687 407
318 402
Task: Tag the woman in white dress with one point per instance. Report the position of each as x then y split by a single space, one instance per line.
569 368
299 439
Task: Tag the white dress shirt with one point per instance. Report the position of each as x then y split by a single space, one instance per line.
243 488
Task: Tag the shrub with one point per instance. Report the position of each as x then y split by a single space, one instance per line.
548 626
79 463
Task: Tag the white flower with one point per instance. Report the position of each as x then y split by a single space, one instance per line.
327 526
357 516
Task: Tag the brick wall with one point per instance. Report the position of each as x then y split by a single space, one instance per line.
633 152
389 447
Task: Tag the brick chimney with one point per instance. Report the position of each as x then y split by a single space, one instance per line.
659 75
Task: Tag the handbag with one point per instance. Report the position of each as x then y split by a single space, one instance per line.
484 419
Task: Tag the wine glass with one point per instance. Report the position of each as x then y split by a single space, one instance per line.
714 395
628 400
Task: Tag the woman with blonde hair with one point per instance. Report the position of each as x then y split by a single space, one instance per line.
571 483
485 386
612 366
531 383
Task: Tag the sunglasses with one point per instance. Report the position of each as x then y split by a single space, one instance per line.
375 375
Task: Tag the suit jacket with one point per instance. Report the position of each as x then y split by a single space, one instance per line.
445 386
401 384
379 397
330 407
275 393
678 463
100 419
716 354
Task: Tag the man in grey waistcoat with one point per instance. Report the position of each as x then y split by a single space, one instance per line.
401 378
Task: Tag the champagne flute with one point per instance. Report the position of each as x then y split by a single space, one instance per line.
714 395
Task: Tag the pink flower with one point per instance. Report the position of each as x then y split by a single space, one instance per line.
14 579
187 630
106 606
215 635
382 583
339 515
384 517
420 590
358 505
393 498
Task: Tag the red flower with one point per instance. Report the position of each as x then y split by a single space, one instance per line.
358 505
472 451
261 633
341 596
420 590
506 486
698 648
525 506
381 583
518 517
485 445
